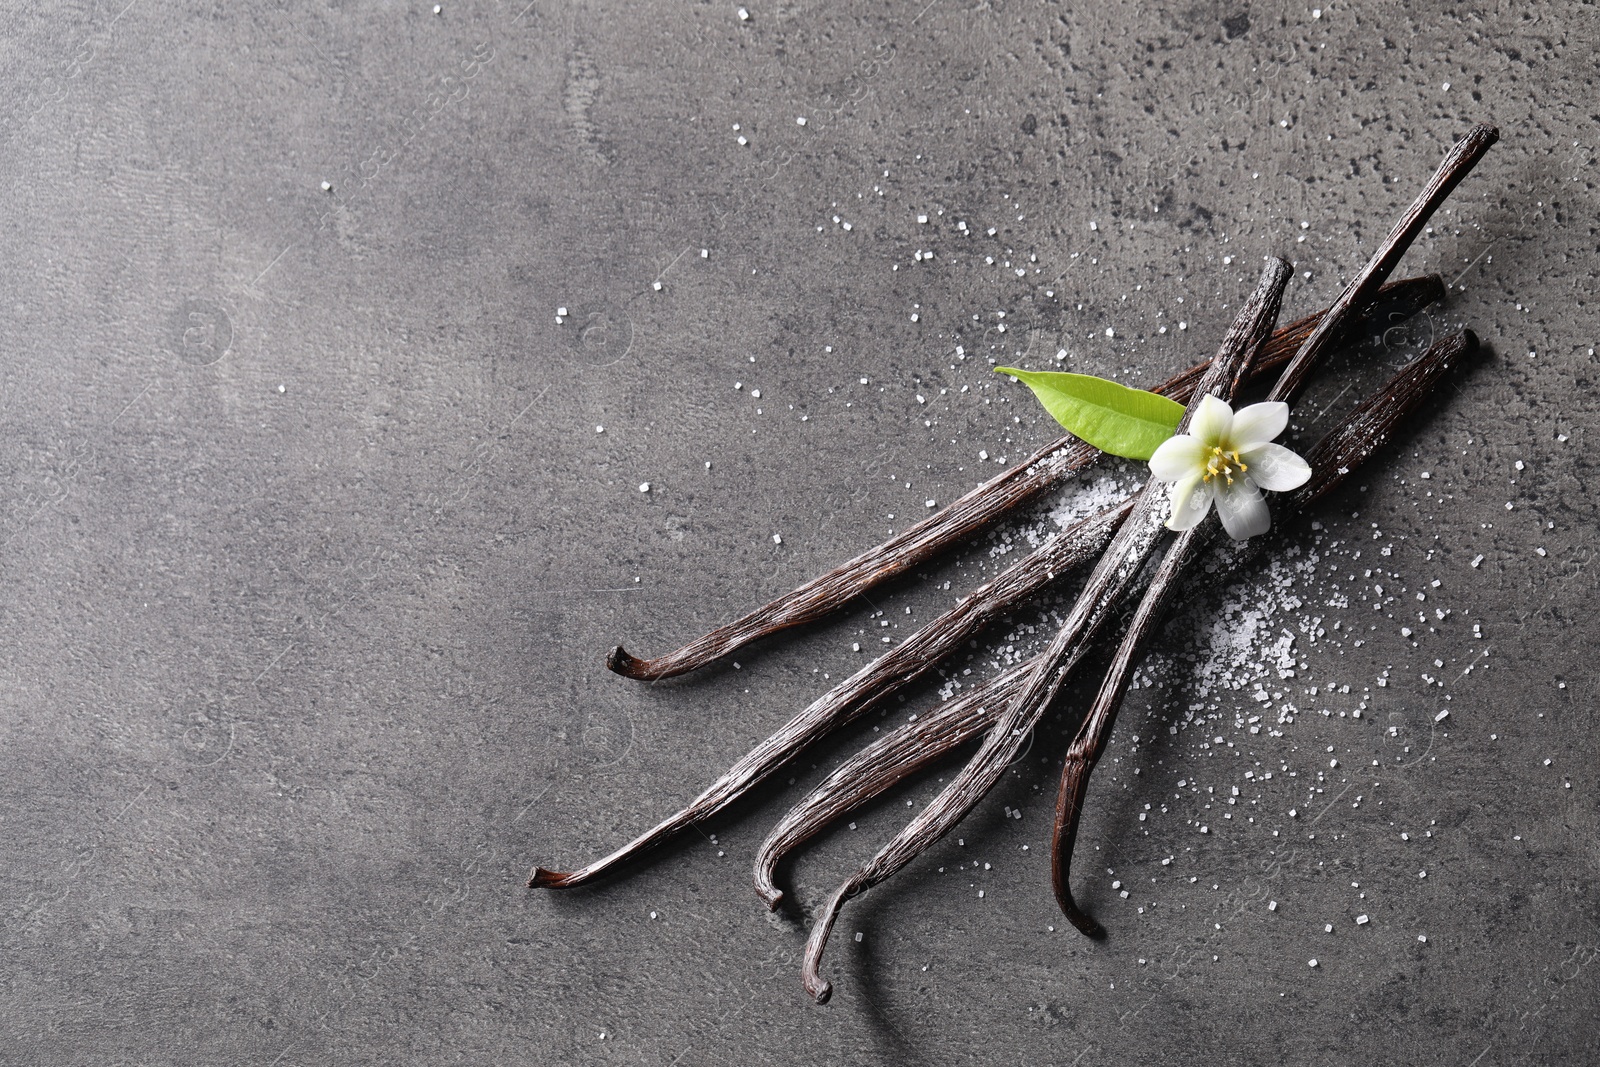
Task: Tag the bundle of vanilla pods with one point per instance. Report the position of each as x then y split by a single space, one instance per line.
1002 713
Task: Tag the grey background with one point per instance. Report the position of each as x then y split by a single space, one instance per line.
312 550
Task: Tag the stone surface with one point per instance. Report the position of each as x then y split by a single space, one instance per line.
314 544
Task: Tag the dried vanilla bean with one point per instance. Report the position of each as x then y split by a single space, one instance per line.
916 745
1372 423
1116 571
1457 164
977 509
1059 554
1369 427
1095 730
889 760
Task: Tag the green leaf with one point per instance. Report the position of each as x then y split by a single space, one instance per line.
1114 418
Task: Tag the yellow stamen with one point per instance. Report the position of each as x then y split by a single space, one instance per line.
1224 463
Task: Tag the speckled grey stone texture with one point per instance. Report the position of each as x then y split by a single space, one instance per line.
314 544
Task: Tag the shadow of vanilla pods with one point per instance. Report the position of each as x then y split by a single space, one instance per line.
994 499
916 745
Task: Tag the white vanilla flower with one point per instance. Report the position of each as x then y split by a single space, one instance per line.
1228 458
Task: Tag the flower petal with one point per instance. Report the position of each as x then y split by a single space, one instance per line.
1243 509
1259 423
1276 468
1191 500
1212 421
1177 458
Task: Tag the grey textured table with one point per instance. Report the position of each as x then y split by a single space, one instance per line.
321 515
